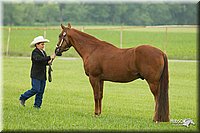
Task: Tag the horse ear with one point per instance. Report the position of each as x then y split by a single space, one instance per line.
69 25
62 26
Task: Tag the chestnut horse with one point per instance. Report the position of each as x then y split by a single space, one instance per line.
105 62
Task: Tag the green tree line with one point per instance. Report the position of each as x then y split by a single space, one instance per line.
36 14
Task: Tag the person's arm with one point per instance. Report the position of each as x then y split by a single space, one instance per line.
38 58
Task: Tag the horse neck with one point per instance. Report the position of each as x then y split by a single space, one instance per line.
82 43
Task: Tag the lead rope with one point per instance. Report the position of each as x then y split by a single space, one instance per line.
49 71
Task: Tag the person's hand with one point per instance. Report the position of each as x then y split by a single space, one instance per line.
50 62
53 56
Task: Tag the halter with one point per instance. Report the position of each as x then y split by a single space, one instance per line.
64 34
63 39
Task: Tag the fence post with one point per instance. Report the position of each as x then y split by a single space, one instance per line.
8 41
121 36
45 32
82 29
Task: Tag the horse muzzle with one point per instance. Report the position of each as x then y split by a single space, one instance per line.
57 52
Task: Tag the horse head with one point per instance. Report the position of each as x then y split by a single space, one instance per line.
63 41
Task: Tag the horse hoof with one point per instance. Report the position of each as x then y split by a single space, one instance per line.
156 121
97 114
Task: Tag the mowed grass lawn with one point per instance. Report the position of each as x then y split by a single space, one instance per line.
68 100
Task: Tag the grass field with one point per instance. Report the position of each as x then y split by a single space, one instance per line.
178 43
68 100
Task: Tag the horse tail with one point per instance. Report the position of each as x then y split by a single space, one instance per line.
163 99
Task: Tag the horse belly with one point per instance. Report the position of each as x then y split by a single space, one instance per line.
119 74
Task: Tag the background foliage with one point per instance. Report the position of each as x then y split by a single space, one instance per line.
124 13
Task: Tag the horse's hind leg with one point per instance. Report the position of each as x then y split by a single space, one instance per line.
101 95
97 86
154 87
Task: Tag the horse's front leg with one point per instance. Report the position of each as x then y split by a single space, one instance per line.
97 86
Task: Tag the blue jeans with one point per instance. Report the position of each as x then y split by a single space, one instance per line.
37 89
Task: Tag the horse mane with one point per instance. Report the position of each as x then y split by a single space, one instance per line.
87 36
91 39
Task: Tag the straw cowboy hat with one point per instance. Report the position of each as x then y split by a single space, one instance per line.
37 40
